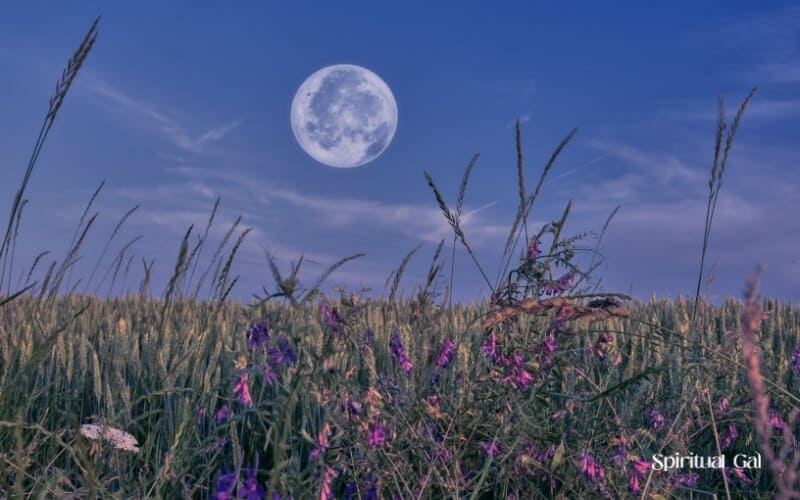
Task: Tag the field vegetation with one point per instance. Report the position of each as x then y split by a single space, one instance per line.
549 388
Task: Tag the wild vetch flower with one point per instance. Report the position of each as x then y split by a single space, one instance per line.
796 360
332 318
633 485
597 348
689 480
723 406
591 470
518 376
729 438
657 420
242 390
776 421
533 248
270 373
283 354
251 490
376 437
741 476
225 485
257 335
640 467
322 442
445 354
328 476
222 415
491 448
399 353
489 348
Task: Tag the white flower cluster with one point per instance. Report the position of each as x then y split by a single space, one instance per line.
120 440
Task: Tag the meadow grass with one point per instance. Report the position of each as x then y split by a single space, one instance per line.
546 389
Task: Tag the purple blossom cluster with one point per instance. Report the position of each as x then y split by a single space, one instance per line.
249 489
598 349
730 436
445 354
257 335
656 418
332 318
399 353
558 286
591 470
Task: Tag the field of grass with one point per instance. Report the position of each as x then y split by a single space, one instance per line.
548 389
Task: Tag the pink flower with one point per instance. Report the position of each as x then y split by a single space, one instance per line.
222 415
242 390
322 442
593 471
377 436
445 354
328 476
533 248
491 448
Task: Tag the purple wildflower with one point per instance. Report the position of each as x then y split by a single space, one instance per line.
222 415
657 420
328 476
270 373
491 448
533 248
322 442
546 455
689 480
283 354
251 490
640 467
724 405
489 348
730 437
257 335
776 421
376 437
796 360
592 470
445 354
633 485
225 484
620 455
242 390
741 476
518 376
399 353
332 318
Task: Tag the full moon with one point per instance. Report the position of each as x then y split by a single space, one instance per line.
344 116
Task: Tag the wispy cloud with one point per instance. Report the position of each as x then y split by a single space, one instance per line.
166 127
419 221
761 110
772 38
661 168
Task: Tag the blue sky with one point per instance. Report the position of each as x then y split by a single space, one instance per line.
182 102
